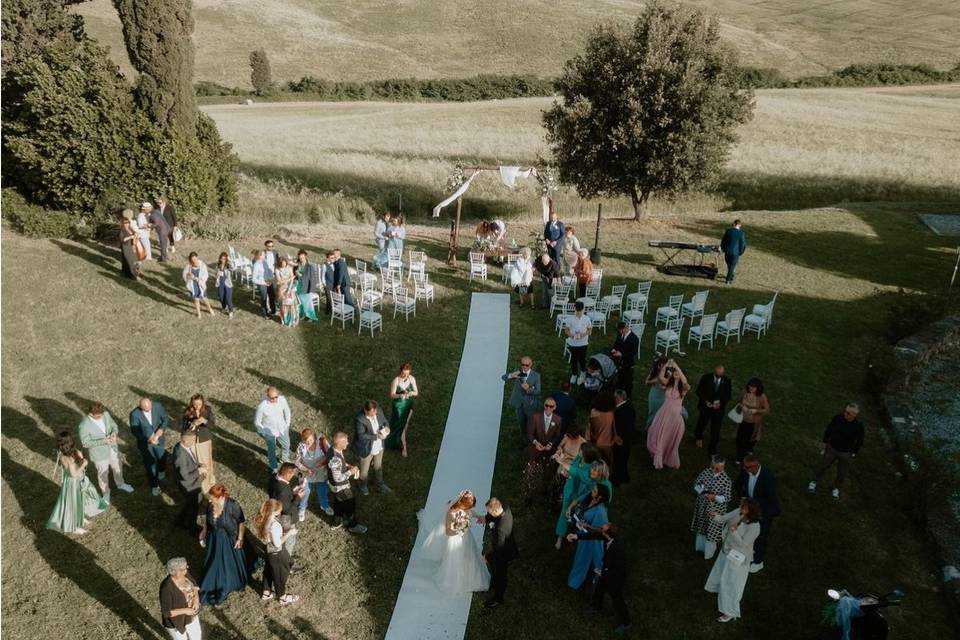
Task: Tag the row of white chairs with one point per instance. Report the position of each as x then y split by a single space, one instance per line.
735 323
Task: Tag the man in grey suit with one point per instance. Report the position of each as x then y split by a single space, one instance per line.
525 397
189 478
306 273
370 428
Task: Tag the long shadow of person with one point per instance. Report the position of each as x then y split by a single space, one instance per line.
302 394
67 557
24 428
306 628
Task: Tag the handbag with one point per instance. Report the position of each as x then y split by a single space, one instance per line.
736 415
138 248
177 234
736 557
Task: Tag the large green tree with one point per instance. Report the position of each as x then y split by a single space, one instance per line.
652 109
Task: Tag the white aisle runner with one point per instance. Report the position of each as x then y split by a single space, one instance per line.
468 453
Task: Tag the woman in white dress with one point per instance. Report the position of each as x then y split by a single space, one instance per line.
728 578
143 229
462 568
521 277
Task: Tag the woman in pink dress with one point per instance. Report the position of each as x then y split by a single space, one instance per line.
666 432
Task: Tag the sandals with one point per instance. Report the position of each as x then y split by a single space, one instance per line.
288 599
266 595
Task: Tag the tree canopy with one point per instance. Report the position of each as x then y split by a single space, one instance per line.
651 109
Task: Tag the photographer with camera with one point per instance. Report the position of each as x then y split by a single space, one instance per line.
286 487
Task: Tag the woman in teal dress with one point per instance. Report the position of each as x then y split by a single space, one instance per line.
78 500
225 568
403 390
591 512
584 474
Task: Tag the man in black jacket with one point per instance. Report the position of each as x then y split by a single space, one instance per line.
713 394
284 490
760 484
502 549
613 575
625 425
341 276
842 440
169 213
624 353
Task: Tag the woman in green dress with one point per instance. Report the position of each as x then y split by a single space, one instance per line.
582 476
78 500
403 390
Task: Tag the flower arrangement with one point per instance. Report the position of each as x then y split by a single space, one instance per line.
484 245
548 179
456 178
537 243
461 522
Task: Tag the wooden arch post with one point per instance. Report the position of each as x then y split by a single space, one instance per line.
454 235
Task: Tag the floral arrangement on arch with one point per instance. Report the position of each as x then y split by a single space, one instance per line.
548 179
485 245
456 178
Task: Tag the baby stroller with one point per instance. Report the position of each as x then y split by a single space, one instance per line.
601 370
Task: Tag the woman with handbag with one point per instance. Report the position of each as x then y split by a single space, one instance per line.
728 578
521 277
753 406
129 261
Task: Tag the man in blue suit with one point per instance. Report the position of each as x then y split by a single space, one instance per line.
760 484
329 279
733 244
148 422
553 234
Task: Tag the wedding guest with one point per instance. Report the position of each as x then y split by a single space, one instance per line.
163 231
148 422
78 500
270 259
759 483
98 435
625 426
279 563
263 284
306 275
666 432
190 474
713 488
754 405
328 277
728 578
403 391
129 262
397 235
613 575
143 229
733 244
379 235
566 405
571 250
341 274
169 214
521 277
224 282
713 394
624 354
567 451
842 440
589 514
338 478
311 460
501 550
195 277
553 234
198 417
370 428
550 275
583 272
655 397
578 328
602 432
225 568
272 422
287 293
285 488
544 432
525 395
582 474
180 602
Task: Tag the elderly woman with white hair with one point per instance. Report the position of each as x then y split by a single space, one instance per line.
521 276
180 602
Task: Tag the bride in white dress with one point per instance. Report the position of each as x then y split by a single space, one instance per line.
462 567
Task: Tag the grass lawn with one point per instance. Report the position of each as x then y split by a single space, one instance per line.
366 39
87 334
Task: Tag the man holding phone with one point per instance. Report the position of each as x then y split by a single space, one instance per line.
525 397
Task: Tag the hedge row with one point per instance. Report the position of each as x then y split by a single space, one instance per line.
492 87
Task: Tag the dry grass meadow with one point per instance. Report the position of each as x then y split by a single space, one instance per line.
366 39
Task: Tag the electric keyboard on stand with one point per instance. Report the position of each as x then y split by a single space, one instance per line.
699 267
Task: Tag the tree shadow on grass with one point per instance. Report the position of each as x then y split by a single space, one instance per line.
66 556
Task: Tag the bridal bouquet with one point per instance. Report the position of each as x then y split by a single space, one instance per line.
461 522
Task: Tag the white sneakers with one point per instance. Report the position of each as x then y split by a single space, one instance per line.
155 491
812 486
754 567
836 494
125 487
328 511
302 516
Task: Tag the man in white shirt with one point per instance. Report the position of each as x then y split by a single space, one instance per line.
578 328
370 429
272 422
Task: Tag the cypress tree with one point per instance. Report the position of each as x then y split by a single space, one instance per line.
260 76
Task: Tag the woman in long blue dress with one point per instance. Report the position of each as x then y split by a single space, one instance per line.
398 235
225 569
590 514
584 474
78 500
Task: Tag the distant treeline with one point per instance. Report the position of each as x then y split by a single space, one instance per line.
494 87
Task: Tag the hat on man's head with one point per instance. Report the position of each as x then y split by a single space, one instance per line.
146 205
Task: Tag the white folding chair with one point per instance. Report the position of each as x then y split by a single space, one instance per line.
417 264
669 337
639 299
731 325
758 322
511 259
667 313
561 295
598 316
314 302
759 308
614 301
638 328
371 320
478 266
596 277
365 278
404 303
422 288
566 309
341 311
370 300
695 307
704 332
389 282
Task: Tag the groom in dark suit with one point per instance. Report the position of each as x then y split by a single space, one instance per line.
624 353
501 550
713 394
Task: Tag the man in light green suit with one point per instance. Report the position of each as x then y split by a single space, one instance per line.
98 435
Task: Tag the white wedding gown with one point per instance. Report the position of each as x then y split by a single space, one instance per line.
462 567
